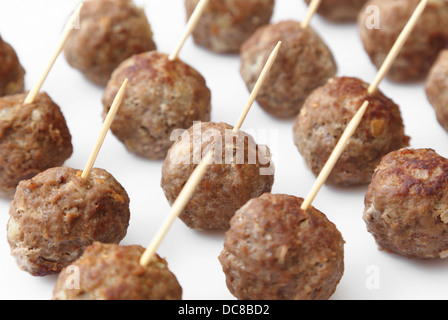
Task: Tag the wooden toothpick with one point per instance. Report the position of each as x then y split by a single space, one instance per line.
314 6
258 85
177 208
105 128
353 125
68 29
194 180
192 22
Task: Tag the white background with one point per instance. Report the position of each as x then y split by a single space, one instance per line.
33 28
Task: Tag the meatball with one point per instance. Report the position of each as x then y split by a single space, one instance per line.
437 88
406 204
225 25
304 63
57 214
276 251
110 31
324 118
241 170
161 96
423 46
112 272
340 10
33 138
12 74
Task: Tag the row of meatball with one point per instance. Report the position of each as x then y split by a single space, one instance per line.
55 215
161 92
275 250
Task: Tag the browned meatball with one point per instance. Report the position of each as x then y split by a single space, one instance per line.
304 63
226 24
112 272
57 214
324 118
12 74
33 138
340 10
276 251
406 204
429 36
161 96
241 170
110 31
437 88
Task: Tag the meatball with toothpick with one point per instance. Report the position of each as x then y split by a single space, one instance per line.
274 250
428 38
57 214
241 170
303 64
112 272
162 96
325 116
108 32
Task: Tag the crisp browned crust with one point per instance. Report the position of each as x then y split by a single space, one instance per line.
406 204
33 138
112 272
161 96
304 63
276 251
325 116
57 214
429 36
226 24
12 74
227 184
437 88
340 10
110 31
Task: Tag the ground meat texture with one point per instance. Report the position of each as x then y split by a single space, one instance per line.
110 31
276 251
437 88
423 46
12 74
324 118
340 10
112 272
57 214
225 25
304 63
241 170
161 96
33 138
406 204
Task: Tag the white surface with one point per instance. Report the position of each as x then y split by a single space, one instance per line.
33 28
